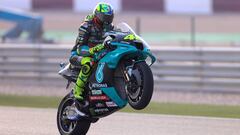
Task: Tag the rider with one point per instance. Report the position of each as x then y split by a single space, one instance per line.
89 41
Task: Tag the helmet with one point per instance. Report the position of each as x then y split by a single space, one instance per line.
104 13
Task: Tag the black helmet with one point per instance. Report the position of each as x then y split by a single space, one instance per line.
104 12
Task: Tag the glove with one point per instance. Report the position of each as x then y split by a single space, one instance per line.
107 42
99 47
96 48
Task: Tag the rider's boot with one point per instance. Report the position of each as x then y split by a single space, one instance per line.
79 101
79 87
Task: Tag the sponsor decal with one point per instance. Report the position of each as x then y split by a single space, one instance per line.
96 92
101 110
100 105
97 85
99 73
111 104
98 98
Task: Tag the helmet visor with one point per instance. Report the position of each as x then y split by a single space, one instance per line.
105 19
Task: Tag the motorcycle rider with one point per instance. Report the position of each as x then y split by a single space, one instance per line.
89 41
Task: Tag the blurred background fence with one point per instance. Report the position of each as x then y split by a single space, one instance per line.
189 68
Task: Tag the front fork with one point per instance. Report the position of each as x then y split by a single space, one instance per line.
127 71
126 76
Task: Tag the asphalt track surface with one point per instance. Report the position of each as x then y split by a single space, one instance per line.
30 121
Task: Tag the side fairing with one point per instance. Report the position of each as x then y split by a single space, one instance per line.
113 57
104 97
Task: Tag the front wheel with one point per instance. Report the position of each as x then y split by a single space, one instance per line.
66 126
140 86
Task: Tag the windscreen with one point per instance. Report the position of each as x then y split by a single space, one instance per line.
125 28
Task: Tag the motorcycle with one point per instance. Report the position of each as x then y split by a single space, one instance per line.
120 76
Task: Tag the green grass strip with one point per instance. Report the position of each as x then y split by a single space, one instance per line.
70 36
209 37
153 108
29 101
199 37
189 110
158 36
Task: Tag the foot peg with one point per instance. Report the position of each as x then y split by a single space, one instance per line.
77 110
75 114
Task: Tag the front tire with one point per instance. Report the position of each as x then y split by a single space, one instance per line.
67 127
140 95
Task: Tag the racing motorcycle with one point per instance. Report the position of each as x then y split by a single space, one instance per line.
121 75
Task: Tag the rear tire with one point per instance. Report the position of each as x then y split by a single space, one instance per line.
143 95
79 127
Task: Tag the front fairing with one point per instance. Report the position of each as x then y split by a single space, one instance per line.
127 43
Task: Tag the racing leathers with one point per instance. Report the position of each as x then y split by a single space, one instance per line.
89 41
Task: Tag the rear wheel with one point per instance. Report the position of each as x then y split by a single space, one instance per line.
140 87
66 126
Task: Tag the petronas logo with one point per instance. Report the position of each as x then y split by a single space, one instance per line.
99 73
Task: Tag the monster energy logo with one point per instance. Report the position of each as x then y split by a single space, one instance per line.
99 73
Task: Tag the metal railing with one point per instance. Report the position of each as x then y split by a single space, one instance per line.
188 68
201 69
